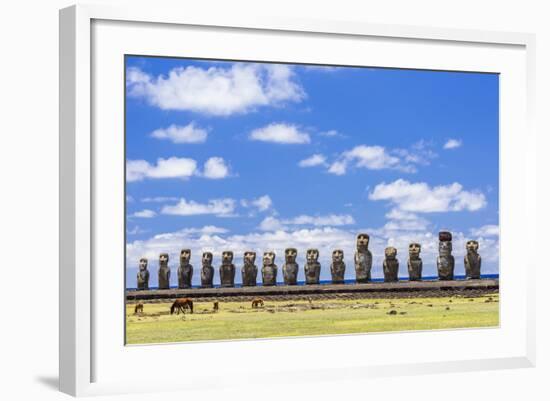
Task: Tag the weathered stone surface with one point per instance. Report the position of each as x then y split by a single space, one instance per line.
290 268
472 260
338 267
445 260
185 271
313 267
414 264
249 271
207 271
363 259
269 269
227 270
143 275
391 265
164 271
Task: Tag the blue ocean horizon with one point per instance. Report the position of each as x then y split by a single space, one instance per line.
347 281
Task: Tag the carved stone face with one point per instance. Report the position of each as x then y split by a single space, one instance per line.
445 248
227 257
143 264
390 252
290 255
414 249
363 241
337 256
163 258
312 255
472 246
185 256
249 257
269 258
207 258
445 236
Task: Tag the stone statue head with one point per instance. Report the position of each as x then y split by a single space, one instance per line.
290 255
227 257
207 258
414 249
249 257
185 256
472 246
363 241
337 256
163 259
143 264
445 236
445 248
269 258
312 255
390 252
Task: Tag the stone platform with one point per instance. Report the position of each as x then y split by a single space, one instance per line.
320 289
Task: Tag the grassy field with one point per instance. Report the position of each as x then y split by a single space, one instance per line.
237 320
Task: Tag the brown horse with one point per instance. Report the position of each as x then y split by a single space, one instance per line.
216 306
181 304
138 308
256 302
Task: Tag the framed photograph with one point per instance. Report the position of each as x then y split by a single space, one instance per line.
237 191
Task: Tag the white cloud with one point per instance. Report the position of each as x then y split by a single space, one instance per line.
215 168
262 203
280 133
137 170
219 207
271 223
312 161
159 199
338 168
145 214
420 197
490 230
452 144
217 91
181 134
332 220
331 134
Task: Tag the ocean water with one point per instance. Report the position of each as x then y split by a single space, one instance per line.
348 281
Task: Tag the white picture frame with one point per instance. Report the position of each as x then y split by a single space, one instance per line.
88 365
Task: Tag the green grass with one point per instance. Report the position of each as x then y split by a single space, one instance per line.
237 320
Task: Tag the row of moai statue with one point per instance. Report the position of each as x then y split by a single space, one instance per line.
312 269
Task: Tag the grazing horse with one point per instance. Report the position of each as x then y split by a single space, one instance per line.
216 306
138 308
256 302
181 304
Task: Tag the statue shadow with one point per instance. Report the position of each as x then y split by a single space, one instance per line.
51 382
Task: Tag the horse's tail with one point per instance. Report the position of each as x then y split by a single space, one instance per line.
173 308
191 305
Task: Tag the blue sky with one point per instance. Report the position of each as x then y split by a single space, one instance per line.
233 155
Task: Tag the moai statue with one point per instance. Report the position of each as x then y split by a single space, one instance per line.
185 271
313 267
472 260
143 275
445 260
227 270
164 272
391 265
290 268
269 269
414 264
250 270
338 267
363 259
207 271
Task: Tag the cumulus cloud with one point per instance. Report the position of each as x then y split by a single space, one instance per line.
219 91
173 167
181 134
280 133
262 204
215 168
271 223
490 230
312 161
159 199
219 207
452 144
331 134
420 197
145 214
